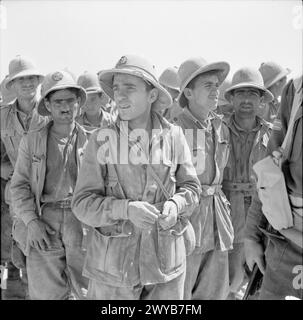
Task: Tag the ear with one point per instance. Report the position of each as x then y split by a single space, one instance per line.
153 95
231 98
261 99
188 93
47 105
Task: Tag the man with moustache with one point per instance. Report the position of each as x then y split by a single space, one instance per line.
42 186
18 117
249 135
138 203
207 267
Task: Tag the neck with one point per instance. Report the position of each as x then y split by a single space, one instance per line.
246 123
93 118
143 122
202 114
26 105
63 129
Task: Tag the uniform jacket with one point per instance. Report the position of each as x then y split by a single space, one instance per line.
236 190
119 253
211 220
29 174
12 131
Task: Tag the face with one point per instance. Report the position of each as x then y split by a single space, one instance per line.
93 103
204 95
63 105
246 102
278 87
173 93
25 87
131 96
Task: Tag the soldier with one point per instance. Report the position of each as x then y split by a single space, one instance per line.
170 81
92 114
207 266
17 118
281 263
274 78
249 135
42 186
138 203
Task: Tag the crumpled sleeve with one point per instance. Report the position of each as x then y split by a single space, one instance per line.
90 203
23 199
188 187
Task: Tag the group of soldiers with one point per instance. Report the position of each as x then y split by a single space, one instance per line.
123 185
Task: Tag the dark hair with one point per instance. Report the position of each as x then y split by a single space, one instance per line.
73 90
192 83
148 85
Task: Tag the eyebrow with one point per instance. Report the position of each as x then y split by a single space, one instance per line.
125 84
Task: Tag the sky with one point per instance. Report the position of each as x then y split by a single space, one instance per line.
93 35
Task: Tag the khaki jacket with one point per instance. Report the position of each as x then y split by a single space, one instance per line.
119 253
211 219
236 191
29 175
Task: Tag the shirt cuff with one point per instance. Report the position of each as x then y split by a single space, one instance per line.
119 209
179 201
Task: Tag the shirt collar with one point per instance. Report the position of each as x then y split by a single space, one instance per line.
206 124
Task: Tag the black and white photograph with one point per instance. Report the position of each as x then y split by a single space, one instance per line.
151 150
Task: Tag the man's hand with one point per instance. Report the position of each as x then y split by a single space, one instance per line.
6 171
38 234
254 253
142 214
169 215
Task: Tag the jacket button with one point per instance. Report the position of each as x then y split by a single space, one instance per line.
144 166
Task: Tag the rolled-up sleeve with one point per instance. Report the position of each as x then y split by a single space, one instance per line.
188 187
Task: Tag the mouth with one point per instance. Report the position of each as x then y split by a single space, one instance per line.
124 107
65 113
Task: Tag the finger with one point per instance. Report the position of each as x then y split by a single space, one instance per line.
41 244
150 216
36 245
46 240
49 229
261 265
249 264
151 208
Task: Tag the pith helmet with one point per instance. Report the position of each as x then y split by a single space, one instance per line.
89 82
139 67
170 78
22 67
58 80
193 67
272 73
248 78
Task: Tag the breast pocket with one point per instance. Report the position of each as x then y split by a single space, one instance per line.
8 137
